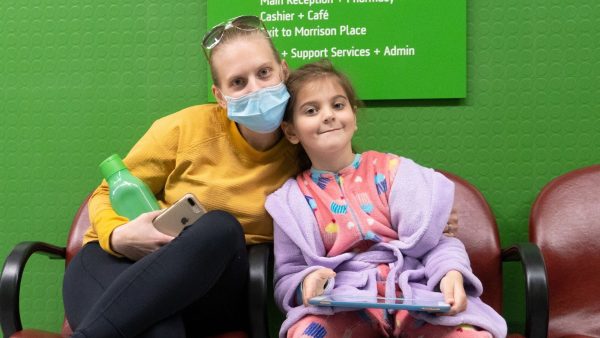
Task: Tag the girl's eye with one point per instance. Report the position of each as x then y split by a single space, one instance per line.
310 110
264 73
339 105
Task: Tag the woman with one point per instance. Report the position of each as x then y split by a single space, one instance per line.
130 280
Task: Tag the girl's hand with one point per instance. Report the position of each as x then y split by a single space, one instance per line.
454 292
314 283
139 237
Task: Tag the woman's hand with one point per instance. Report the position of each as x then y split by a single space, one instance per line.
139 237
454 292
314 283
451 228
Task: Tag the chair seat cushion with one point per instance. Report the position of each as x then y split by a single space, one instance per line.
31 333
236 334
45 334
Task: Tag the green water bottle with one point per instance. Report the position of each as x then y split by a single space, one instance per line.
129 196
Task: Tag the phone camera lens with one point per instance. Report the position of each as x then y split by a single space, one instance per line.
191 202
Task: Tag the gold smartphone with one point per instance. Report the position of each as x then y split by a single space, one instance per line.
182 213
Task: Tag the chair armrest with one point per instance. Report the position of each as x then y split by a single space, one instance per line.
260 257
536 291
10 281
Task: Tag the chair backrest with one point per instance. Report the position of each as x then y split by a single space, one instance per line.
80 224
565 224
479 233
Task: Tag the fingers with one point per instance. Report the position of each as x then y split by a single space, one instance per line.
451 228
309 289
449 297
460 298
145 225
162 239
139 237
447 288
454 293
314 283
453 217
326 273
151 215
459 303
307 293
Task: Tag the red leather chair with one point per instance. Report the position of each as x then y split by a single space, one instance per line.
10 282
479 233
565 225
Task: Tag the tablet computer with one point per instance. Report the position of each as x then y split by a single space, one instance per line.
358 302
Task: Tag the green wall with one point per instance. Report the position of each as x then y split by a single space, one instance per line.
80 80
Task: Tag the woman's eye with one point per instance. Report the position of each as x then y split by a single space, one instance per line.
238 83
264 72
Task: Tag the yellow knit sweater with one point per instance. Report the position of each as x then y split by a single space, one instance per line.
199 150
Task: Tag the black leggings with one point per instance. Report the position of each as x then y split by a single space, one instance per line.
194 286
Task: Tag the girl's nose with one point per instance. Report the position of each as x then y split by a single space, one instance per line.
329 115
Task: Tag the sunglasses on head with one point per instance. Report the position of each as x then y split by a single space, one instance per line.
245 22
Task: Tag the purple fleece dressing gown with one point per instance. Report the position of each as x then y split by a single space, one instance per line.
420 203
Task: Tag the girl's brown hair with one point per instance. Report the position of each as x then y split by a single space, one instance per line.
304 75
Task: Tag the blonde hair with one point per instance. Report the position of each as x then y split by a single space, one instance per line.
230 36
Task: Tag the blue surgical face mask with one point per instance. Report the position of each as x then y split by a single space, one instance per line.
260 111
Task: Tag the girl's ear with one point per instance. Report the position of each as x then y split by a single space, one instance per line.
219 96
289 132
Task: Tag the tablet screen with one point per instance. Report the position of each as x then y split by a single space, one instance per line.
352 301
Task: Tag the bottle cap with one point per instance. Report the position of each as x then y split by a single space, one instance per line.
111 165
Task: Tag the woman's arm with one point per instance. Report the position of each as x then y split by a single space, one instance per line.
151 161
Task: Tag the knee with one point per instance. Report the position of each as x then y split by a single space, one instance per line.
226 225
308 327
221 227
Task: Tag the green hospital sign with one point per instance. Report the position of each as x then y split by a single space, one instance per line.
391 49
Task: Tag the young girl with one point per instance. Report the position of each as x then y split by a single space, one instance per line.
364 224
